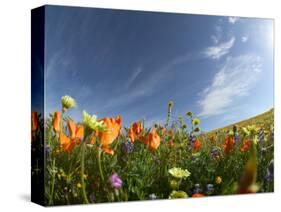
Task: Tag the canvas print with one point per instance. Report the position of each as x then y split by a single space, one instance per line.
137 105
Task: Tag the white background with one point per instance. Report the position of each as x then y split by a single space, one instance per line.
15 102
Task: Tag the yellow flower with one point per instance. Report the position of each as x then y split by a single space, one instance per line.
79 185
68 102
179 173
218 180
178 194
196 121
92 122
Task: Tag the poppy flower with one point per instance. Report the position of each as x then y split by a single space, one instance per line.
246 145
153 140
170 143
228 144
106 137
34 121
56 122
171 132
76 136
197 195
135 130
197 145
92 140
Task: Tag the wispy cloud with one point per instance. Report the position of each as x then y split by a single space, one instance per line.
244 39
219 50
233 20
216 37
133 76
233 80
61 60
149 84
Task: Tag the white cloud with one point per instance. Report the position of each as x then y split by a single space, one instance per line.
233 20
216 37
149 85
134 76
233 80
219 50
244 39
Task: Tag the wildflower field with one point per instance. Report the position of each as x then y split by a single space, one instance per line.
99 160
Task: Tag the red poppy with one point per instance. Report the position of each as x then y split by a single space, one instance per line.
228 144
34 121
197 195
197 145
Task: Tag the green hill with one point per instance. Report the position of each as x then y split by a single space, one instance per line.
260 119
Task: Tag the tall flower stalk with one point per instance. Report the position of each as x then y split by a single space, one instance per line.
170 106
82 172
99 164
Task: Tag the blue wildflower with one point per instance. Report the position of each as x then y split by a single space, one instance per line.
210 189
197 188
192 138
270 171
127 147
260 135
236 137
215 152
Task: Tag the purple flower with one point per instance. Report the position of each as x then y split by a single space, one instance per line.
192 138
92 197
270 171
127 147
210 188
215 152
47 149
115 181
260 136
236 137
197 188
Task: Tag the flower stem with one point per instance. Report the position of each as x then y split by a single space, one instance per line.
82 173
99 163
53 183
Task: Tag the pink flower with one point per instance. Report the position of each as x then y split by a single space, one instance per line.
115 181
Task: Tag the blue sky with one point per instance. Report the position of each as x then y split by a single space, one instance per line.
132 63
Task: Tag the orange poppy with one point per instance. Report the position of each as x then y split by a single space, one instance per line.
137 127
197 145
34 121
246 145
113 127
197 195
76 136
92 140
135 130
171 132
228 144
170 143
56 122
152 140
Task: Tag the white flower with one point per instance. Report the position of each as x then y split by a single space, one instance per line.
68 102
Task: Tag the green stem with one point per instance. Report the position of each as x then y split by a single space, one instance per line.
82 173
99 163
53 182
